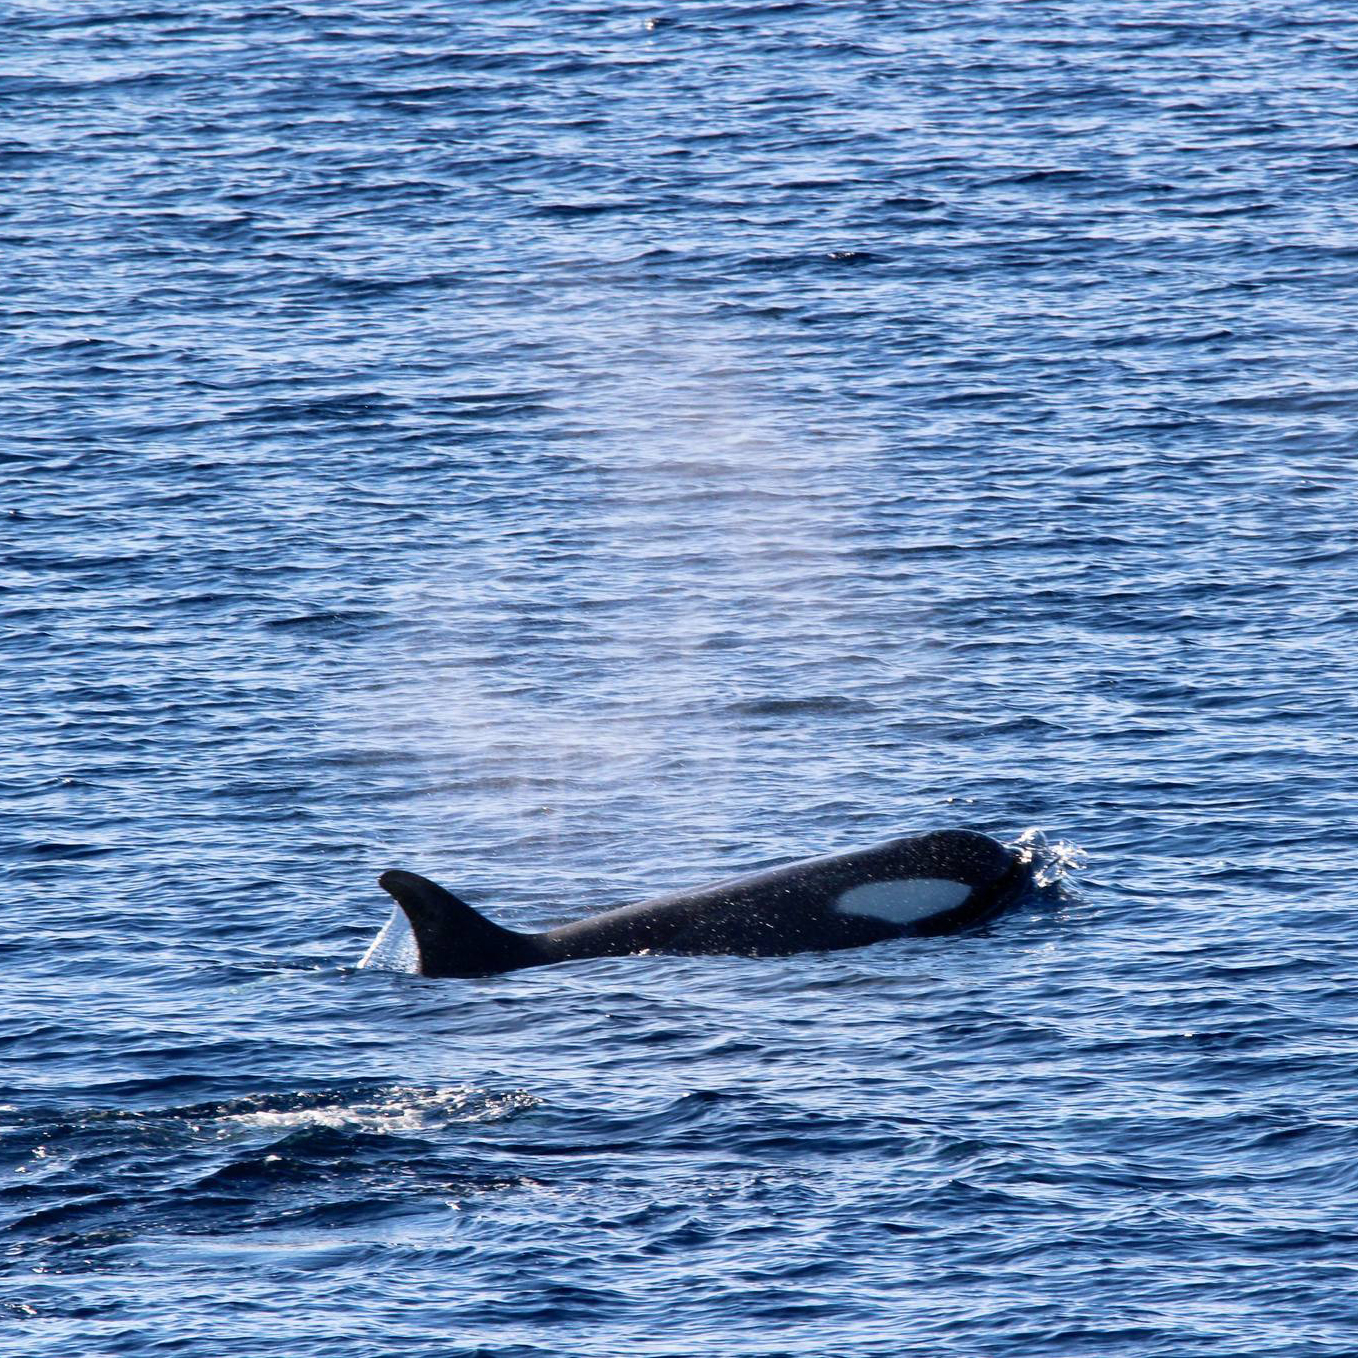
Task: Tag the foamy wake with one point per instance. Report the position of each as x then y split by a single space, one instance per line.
395 1109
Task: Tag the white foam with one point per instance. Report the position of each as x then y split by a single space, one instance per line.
394 948
398 1109
1049 862
904 901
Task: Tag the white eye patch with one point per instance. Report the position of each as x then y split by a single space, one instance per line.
904 901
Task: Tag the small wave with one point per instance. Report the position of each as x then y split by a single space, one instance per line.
345 618
1049 176
792 707
565 211
54 849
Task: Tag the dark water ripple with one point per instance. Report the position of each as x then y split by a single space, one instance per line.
582 450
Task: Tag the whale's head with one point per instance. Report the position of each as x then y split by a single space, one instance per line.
937 882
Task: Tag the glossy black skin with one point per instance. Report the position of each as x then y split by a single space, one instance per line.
780 910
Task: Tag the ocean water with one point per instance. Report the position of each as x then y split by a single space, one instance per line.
578 451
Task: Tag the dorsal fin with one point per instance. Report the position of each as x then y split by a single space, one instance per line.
454 939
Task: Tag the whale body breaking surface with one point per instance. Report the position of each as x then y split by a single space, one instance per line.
922 885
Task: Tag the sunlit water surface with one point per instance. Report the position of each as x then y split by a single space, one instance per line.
580 451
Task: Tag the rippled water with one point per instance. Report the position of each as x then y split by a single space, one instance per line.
582 451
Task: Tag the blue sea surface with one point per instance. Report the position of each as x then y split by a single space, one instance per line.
582 450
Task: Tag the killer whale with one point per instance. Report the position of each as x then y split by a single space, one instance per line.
927 884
